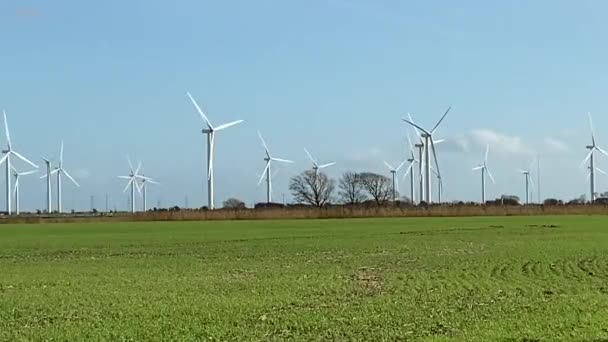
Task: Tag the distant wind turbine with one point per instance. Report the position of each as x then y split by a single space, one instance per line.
591 158
7 159
529 182
59 170
210 132
18 176
394 172
315 165
267 170
429 144
132 178
484 168
410 170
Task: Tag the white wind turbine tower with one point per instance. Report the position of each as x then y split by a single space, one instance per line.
48 184
591 158
7 159
427 140
210 131
484 168
133 178
315 164
394 172
59 170
18 176
267 171
410 170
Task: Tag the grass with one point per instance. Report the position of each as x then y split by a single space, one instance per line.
429 279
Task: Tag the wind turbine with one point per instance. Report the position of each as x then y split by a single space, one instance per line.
394 172
18 176
529 182
591 158
143 189
267 171
210 131
315 165
410 170
484 168
7 159
59 170
133 178
427 140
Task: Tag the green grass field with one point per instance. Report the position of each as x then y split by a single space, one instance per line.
465 279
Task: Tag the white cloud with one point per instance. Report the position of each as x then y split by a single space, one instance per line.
556 145
513 145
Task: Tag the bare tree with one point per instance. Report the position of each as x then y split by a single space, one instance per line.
311 187
377 186
234 203
351 189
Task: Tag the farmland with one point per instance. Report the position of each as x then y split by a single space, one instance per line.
436 279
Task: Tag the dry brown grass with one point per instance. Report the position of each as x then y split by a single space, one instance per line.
325 213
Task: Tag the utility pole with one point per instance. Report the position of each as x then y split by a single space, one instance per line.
92 203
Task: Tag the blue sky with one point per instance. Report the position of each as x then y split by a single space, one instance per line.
334 76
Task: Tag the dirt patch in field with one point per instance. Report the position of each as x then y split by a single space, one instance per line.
552 226
369 279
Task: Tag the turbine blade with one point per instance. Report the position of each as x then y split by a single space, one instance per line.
200 111
601 150
138 167
439 141
478 167
490 174
54 171
230 124
409 169
435 157
487 153
390 167
3 159
283 160
28 173
415 129
311 158
586 159
409 141
401 165
264 173
138 186
128 184
440 120
61 154
8 134
326 165
70 177
24 159
264 143
532 185
601 171
121 177
416 126
130 164
16 186
592 129
152 181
